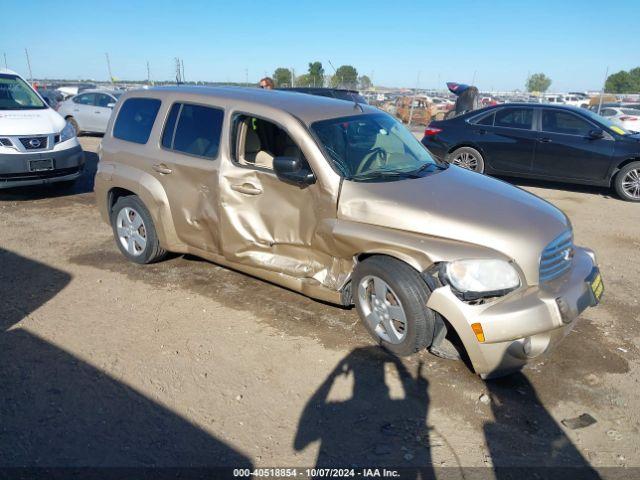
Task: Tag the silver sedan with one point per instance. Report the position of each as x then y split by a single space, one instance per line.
89 111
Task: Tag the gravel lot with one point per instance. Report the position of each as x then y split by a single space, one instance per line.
103 362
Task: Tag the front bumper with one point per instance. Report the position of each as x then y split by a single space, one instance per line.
14 168
524 324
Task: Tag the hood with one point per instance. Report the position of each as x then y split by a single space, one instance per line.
30 122
460 205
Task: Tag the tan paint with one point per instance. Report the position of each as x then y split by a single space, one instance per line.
309 238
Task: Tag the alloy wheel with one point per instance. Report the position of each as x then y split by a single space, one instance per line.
631 183
382 309
466 160
132 232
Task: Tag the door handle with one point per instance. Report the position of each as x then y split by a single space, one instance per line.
97 111
162 168
247 189
544 140
482 131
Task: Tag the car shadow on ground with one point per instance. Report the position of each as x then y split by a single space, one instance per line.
368 423
84 184
59 411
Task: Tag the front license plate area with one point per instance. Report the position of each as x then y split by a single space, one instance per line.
596 285
41 165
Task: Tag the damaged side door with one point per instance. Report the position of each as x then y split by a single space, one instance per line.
187 165
266 222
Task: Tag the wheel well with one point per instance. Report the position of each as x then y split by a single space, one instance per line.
622 165
452 149
115 194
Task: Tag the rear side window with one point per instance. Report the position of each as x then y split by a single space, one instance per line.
486 120
135 119
85 99
514 118
562 122
193 129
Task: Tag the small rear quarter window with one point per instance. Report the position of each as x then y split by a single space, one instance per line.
135 119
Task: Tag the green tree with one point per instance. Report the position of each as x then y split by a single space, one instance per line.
365 82
282 77
316 74
346 77
623 82
304 80
538 82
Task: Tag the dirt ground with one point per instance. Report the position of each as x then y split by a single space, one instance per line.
184 363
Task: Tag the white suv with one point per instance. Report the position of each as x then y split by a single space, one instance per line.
36 144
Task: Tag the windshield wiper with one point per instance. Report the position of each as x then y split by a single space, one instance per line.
435 166
383 174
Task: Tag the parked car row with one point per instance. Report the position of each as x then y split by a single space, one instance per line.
557 143
331 199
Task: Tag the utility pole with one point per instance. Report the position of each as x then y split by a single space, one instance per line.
473 82
415 92
606 75
178 71
184 79
293 77
109 67
26 52
148 74
5 61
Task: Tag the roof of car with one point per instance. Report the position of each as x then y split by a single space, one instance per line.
308 108
535 105
101 90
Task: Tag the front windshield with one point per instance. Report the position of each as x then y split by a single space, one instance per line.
15 94
606 122
372 146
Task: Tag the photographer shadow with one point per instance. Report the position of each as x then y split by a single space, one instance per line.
372 425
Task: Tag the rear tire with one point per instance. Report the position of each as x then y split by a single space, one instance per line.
396 316
467 158
134 231
627 182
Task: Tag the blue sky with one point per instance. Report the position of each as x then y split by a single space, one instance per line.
573 42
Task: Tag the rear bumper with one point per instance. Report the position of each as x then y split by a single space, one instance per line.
14 168
523 325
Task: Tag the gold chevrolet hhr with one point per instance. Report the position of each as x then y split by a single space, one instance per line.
338 201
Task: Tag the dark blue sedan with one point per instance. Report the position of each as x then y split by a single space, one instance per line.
557 143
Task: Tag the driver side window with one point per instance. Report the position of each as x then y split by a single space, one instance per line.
256 142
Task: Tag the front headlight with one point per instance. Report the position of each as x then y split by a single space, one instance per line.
481 277
67 133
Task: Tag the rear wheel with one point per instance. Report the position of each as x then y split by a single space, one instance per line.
468 158
391 299
135 232
627 182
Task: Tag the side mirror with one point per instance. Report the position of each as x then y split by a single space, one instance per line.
291 170
596 134
111 105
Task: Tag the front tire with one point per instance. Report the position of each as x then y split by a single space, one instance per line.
467 158
391 299
627 182
134 231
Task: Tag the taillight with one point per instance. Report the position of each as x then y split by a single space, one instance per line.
430 131
628 119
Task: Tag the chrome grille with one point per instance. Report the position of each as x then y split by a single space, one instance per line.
34 143
556 257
